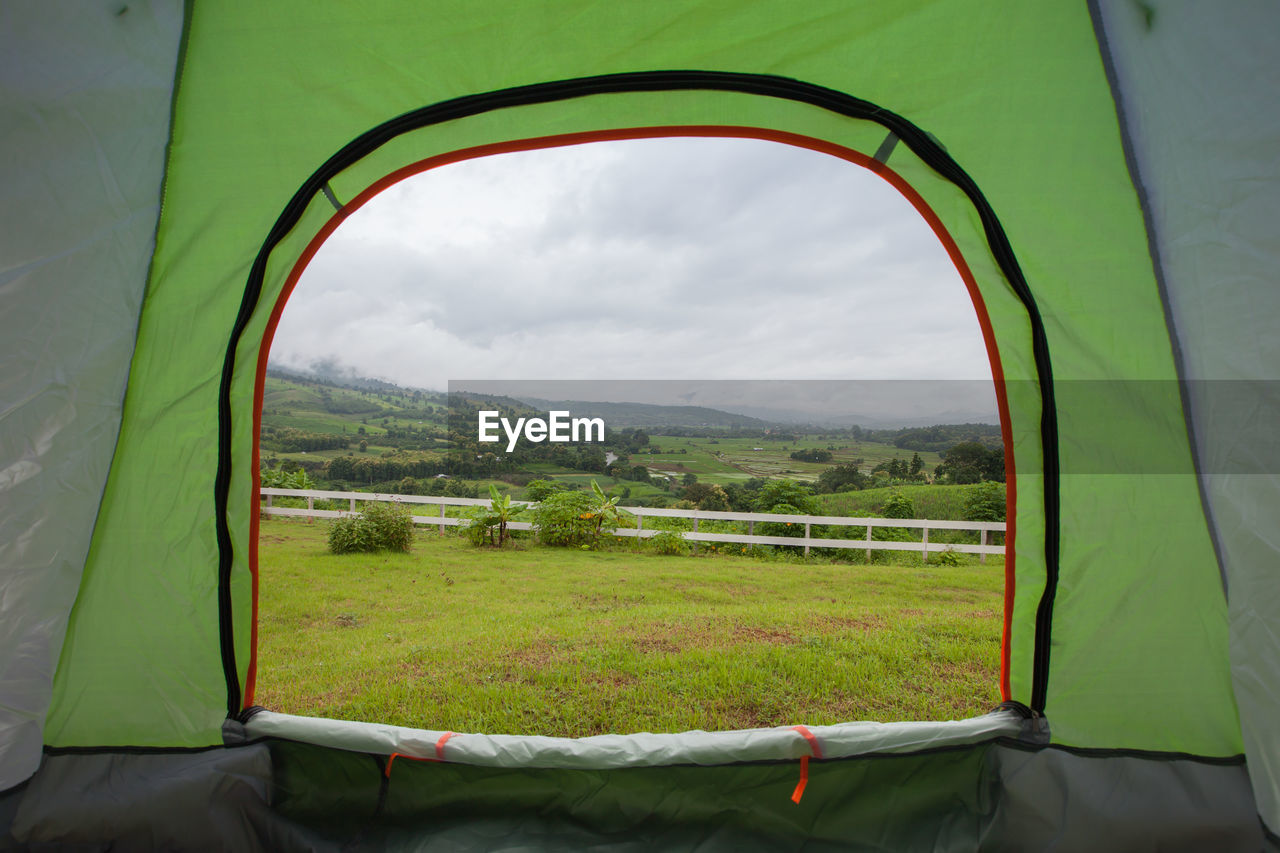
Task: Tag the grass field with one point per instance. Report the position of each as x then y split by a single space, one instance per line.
936 502
536 640
726 460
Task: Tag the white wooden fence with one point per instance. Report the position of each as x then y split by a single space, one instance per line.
440 519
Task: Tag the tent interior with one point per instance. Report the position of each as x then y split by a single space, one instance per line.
1104 176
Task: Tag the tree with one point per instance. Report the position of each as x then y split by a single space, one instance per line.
917 465
689 479
970 462
707 496
843 478
789 492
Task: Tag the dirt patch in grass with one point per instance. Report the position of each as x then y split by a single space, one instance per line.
769 636
869 623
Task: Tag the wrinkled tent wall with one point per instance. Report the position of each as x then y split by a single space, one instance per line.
1199 86
84 116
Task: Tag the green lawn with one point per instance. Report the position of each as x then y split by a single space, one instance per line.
534 640
935 502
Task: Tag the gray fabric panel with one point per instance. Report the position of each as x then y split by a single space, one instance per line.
1199 83
1056 800
213 800
284 795
84 115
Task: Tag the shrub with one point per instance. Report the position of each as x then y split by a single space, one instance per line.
985 503
279 478
565 518
796 496
782 528
947 557
668 543
378 527
898 506
537 490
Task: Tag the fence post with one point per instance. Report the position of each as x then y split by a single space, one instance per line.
868 543
926 544
695 530
269 497
751 525
311 505
982 558
441 519
353 504
806 538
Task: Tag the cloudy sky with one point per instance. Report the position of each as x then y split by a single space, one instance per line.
669 259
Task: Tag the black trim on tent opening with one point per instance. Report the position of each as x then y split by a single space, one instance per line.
923 144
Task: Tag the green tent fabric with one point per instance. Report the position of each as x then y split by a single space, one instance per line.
1107 175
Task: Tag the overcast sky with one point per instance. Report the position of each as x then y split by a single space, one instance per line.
647 259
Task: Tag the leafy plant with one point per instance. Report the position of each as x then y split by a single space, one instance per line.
565 518
798 497
947 557
537 490
668 543
493 520
986 502
278 478
783 528
898 506
605 509
378 527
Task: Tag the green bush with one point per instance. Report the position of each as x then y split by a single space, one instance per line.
947 557
796 496
898 506
782 528
668 543
278 478
565 518
985 503
378 527
537 490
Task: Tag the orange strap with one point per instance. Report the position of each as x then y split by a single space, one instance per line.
444 738
816 749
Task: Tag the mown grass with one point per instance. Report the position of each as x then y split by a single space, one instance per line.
534 640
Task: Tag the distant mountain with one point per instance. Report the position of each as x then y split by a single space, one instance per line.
648 415
848 419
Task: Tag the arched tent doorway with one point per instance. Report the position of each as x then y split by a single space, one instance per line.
1007 280
842 332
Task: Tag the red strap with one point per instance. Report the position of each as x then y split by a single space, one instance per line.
444 738
816 749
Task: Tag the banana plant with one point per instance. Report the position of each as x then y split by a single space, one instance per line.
501 512
606 507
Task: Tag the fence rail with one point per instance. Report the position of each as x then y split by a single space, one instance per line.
441 520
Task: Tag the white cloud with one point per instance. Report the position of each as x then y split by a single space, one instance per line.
655 259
